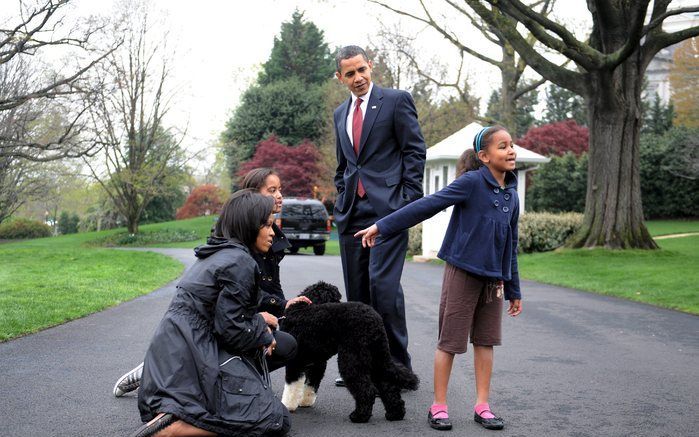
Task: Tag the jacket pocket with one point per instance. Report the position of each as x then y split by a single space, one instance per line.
240 392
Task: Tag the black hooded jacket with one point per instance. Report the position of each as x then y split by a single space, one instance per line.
272 297
215 308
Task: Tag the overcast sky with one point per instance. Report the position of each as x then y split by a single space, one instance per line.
221 44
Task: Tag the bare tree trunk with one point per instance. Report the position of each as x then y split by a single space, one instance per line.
613 207
508 88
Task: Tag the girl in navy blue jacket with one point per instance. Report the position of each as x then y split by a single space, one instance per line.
480 250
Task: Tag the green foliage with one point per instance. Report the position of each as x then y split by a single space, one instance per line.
563 104
524 111
300 51
657 117
290 109
542 231
415 240
21 228
68 223
439 120
162 208
146 238
559 185
670 173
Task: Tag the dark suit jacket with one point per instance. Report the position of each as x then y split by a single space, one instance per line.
391 159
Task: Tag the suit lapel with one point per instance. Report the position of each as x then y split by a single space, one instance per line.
345 140
372 110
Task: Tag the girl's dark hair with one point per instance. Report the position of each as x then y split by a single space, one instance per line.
242 216
256 178
487 135
467 161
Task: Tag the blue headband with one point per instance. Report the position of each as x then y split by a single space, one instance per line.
479 136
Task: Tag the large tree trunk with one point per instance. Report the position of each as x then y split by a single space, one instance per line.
613 208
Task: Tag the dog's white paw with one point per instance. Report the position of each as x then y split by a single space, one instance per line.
293 393
309 397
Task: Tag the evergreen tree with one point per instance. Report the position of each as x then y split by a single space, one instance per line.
288 100
657 117
563 104
524 112
289 109
300 50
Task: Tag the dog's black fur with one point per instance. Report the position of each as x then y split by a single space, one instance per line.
355 332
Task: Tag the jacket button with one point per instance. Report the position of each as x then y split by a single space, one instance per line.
507 197
359 166
505 209
240 390
496 203
496 190
273 300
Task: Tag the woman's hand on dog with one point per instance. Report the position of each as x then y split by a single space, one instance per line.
368 235
296 300
269 349
270 320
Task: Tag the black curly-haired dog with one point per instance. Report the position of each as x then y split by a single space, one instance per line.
355 332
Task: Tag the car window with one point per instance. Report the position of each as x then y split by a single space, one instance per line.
310 211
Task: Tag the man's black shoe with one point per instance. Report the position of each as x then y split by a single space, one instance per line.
339 382
440 424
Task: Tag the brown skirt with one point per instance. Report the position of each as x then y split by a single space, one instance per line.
469 305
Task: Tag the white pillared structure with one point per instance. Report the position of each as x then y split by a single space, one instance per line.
440 170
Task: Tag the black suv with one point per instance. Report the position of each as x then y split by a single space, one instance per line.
305 223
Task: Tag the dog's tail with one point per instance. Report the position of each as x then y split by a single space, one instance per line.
403 376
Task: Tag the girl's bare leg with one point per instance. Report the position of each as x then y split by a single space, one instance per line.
443 362
483 366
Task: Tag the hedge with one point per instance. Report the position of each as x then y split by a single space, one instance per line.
20 228
544 231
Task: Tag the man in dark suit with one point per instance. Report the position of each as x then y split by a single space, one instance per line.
380 163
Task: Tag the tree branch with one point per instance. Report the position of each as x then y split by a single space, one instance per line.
442 31
550 71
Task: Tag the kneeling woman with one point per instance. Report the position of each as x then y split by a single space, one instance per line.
198 376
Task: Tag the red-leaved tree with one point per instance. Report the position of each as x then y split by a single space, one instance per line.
203 200
298 166
557 138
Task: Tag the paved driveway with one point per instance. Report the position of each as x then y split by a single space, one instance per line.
573 364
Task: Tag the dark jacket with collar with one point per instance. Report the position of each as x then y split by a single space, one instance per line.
391 158
272 297
482 233
215 309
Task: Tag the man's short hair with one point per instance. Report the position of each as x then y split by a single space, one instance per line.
348 52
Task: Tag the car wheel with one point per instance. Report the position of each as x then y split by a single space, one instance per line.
319 249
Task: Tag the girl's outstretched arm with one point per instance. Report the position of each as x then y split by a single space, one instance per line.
368 235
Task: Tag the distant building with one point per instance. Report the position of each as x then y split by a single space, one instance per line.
658 71
440 170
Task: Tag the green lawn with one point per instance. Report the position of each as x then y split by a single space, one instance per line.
668 277
665 227
48 281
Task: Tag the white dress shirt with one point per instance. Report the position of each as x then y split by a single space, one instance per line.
363 106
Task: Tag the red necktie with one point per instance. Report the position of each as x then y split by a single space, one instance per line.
357 121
